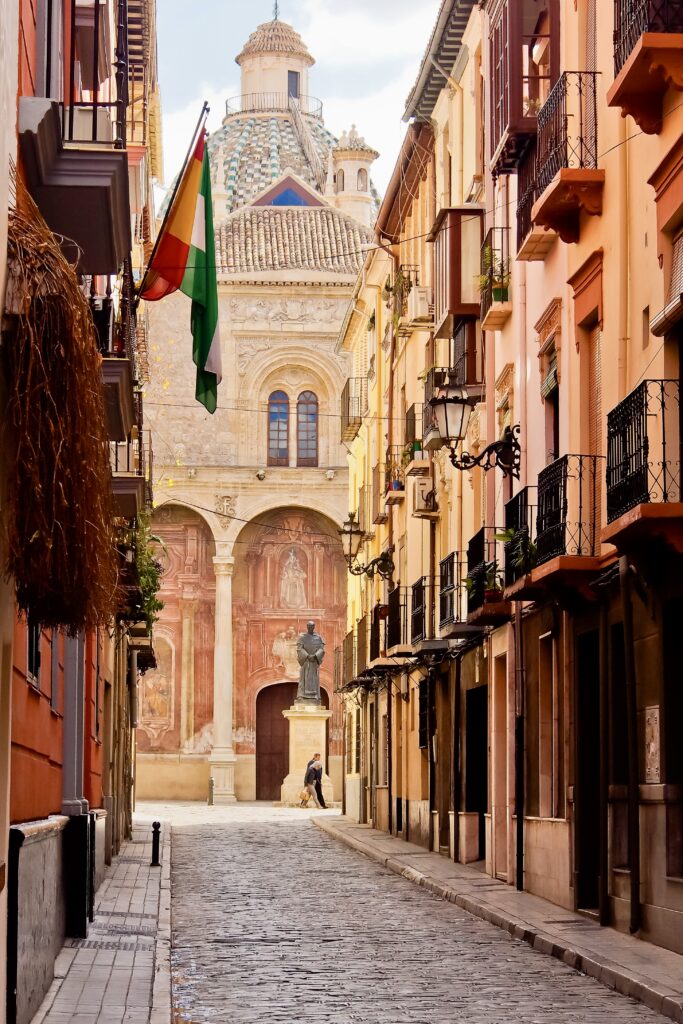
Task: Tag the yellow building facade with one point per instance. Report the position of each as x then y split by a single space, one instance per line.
515 455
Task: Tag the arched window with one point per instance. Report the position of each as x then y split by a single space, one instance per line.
340 180
307 429
278 429
362 180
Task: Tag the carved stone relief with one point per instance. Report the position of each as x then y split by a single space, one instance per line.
283 310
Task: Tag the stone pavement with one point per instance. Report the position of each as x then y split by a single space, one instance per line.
622 962
120 973
274 921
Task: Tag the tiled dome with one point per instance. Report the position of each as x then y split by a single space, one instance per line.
275 37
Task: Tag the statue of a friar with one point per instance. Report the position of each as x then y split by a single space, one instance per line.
310 651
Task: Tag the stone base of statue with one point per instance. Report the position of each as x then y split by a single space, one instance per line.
307 728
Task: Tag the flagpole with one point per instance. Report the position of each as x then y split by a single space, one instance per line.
202 117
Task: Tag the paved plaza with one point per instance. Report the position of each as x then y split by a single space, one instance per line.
274 921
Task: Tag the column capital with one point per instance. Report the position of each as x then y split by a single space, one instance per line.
223 565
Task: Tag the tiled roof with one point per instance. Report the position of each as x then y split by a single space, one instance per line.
249 152
275 37
258 239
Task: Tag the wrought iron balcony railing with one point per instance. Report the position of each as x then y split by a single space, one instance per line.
354 404
527 192
495 268
644 448
484 568
397 617
520 529
263 102
419 597
349 656
362 645
394 469
568 517
567 127
632 18
378 620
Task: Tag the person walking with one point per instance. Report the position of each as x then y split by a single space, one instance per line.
317 764
309 783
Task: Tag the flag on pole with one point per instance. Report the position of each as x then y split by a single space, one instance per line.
185 260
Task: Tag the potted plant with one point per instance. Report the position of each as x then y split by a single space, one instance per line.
521 549
495 274
493 581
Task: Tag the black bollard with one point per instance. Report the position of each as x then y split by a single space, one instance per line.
156 836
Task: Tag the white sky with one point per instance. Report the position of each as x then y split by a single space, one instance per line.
367 56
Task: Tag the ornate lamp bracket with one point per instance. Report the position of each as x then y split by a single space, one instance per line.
505 453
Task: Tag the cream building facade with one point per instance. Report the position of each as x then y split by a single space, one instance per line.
249 501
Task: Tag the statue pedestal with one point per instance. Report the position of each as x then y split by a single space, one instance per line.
307 724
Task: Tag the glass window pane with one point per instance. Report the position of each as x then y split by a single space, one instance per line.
307 429
278 429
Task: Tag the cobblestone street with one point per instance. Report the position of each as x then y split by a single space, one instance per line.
273 921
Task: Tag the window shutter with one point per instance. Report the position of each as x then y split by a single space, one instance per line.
676 280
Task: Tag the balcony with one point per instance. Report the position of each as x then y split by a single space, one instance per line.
349 652
379 511
74 154
648 58
520 551
568 522
457 235
486 605
524 63
362 645
397 631
354 404
117 341
534 242
131 468
417 460
494 281
266 102
395 475
405 284
644 468
569 181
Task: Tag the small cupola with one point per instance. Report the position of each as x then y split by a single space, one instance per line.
275 60
349 176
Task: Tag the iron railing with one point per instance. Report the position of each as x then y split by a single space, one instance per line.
413 433
527 191
634 17
354 404
379 512
418 609
349 656
95 120
484 568
495 268
362 638
134 458
406 279
567 127
262 102
394 469
397 617
378 619
569 507
644 448
520 528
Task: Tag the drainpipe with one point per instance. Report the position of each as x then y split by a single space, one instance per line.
603 891
389 755
519 747
632 734
624 242
456 760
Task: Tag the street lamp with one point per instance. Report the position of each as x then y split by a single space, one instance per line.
452 407
352 539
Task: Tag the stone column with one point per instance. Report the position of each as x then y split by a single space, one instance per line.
187 612
223 754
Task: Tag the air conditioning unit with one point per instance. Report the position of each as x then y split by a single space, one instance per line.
418 304
425 505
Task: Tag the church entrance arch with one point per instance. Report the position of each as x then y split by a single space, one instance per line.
272 738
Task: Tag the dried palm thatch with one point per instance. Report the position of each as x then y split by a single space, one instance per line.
59 517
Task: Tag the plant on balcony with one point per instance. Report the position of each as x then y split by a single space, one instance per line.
372 321
521 549
149 570
495 274
486 577
58 511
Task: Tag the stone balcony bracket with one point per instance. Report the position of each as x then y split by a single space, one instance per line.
572 191
654 65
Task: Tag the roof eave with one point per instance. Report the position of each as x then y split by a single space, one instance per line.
419 104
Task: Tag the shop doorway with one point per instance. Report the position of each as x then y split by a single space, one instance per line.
477 758
587 760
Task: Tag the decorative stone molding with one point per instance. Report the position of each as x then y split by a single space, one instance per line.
284 310
505 387
224 507
549 337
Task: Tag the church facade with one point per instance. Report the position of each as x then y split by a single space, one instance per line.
249 500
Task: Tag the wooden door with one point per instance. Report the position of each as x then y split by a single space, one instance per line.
272 739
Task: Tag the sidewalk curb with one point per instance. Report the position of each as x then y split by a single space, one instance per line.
604 970
161 990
